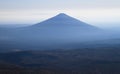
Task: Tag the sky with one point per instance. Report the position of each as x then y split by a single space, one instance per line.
103 13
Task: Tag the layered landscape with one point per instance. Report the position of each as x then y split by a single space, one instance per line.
59 45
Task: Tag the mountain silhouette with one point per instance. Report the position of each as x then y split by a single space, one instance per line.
64 21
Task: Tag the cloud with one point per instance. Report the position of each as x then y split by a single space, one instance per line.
32 15
58 4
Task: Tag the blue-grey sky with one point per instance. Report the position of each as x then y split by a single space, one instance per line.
98 12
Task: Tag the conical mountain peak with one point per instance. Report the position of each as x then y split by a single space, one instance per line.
62 14
63 20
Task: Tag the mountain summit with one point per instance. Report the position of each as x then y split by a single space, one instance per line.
62 15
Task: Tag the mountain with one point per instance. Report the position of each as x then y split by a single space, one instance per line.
64 21
59 27
60 31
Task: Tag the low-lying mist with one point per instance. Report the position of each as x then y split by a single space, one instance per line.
54 38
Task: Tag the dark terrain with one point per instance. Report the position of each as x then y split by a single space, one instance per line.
94 60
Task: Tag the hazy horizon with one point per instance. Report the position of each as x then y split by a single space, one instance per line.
98 13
